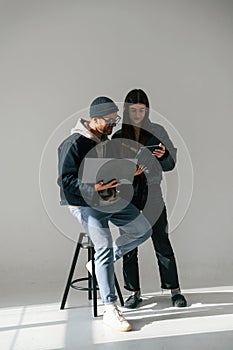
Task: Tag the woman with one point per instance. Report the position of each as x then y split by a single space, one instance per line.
137 130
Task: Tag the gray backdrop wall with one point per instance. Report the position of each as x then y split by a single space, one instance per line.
56 57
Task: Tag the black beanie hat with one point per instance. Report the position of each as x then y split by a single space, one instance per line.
102 106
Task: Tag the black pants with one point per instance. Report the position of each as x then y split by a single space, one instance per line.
156 214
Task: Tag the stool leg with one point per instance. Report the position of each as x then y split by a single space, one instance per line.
69 280
94 283
118 291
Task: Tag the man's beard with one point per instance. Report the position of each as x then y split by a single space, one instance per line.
107 130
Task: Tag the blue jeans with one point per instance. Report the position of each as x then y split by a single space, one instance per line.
135 229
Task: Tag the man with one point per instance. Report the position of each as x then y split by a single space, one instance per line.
94 205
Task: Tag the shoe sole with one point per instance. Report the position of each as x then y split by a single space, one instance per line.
129 328
180 305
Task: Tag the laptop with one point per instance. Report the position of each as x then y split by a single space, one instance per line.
107 169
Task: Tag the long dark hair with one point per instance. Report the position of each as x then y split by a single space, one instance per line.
133 97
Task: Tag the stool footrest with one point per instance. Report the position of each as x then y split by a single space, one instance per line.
81 280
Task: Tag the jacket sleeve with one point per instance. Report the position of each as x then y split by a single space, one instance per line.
68 168
168 161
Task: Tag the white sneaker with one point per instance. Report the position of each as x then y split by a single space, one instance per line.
89 266
114 319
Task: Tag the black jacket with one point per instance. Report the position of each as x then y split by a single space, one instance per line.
71 153
156 134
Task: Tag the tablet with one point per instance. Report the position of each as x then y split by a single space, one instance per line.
151 147
145 156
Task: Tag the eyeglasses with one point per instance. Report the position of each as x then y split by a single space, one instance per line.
112 121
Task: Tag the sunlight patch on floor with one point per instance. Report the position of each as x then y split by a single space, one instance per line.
32 327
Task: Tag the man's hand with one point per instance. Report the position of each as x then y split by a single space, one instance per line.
140 169
103 186
158 153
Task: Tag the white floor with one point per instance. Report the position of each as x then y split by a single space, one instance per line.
207 323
